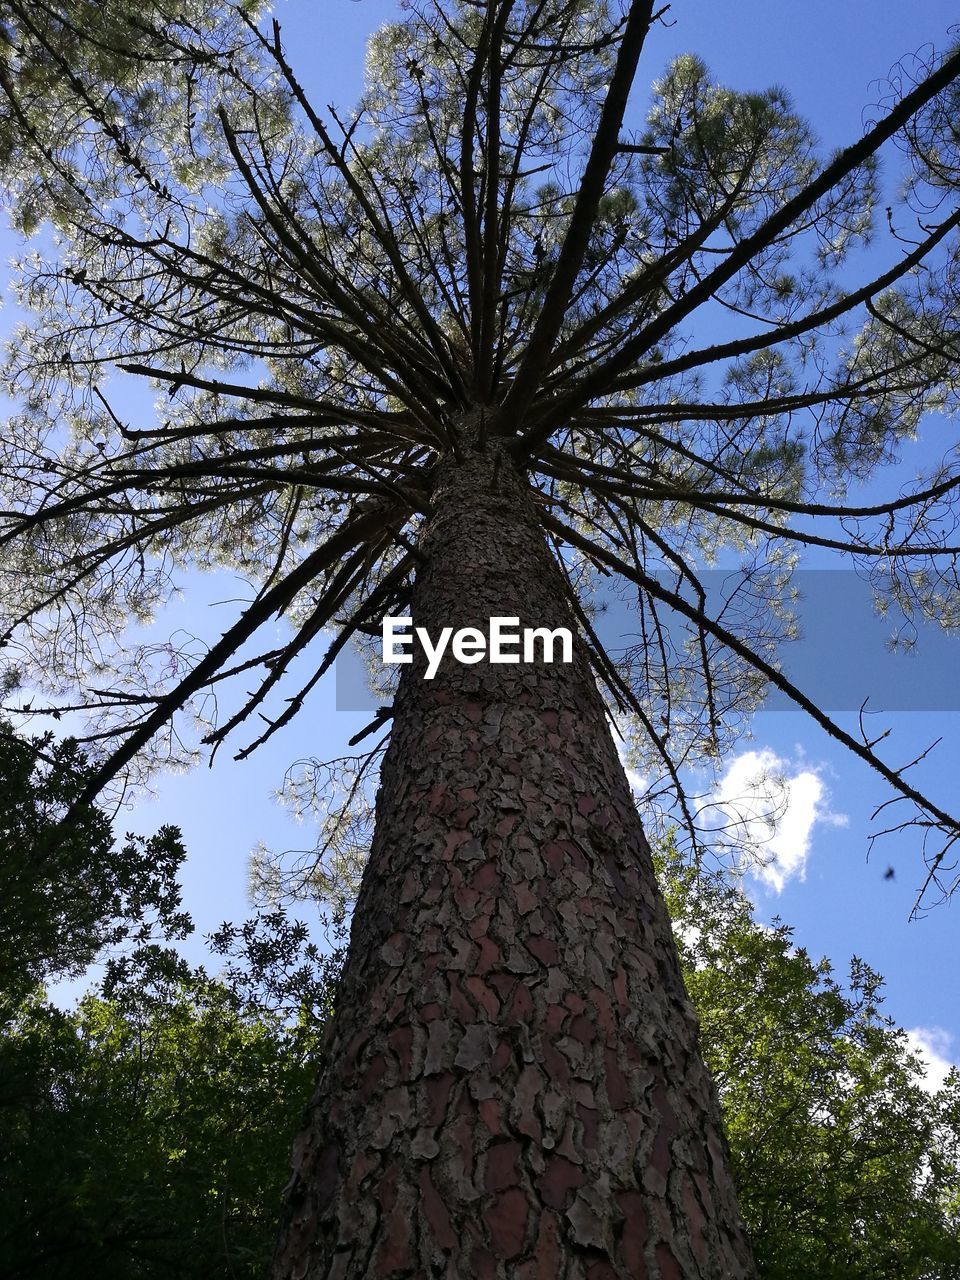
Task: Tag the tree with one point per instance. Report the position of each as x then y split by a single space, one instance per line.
145 1133
66 895
433 356
846 1165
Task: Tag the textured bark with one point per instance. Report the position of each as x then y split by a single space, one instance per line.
512 1086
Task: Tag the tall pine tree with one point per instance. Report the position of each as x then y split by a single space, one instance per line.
436 355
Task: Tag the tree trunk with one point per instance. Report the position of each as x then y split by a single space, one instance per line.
511 1086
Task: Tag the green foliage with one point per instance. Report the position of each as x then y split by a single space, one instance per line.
331 302
147 1134
847 1167
69 892
124 62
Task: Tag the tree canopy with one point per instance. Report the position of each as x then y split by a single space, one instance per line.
68 893
847 1166
331 302
144 1132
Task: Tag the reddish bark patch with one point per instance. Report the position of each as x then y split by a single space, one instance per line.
435 1212
586 805
438 1095
459 1003
618 1092
387 1190
501 1057
633 1239
581 1028
554 857
506 1221
466 899
489 955
615 874
558 1180
503 1166
545 949
486 878
556 1064
546 1253
660 1157
363 1164
603 1010
669 1266
490 1114
483 1264
394 1253
695 1220
479 927
590 1120
400 1041
503 983
439 800
620 990
453 842
555 1017
484 997
521 1006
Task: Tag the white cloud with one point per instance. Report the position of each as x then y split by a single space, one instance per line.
932 1044
638 783
771 807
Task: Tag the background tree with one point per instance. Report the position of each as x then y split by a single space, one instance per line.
847 1166
439 351
144 1131
66 895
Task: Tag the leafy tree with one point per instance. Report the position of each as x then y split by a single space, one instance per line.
146 1132
846 1165
143 1133
438 354
69 893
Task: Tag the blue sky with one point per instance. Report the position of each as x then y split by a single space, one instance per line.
830 57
